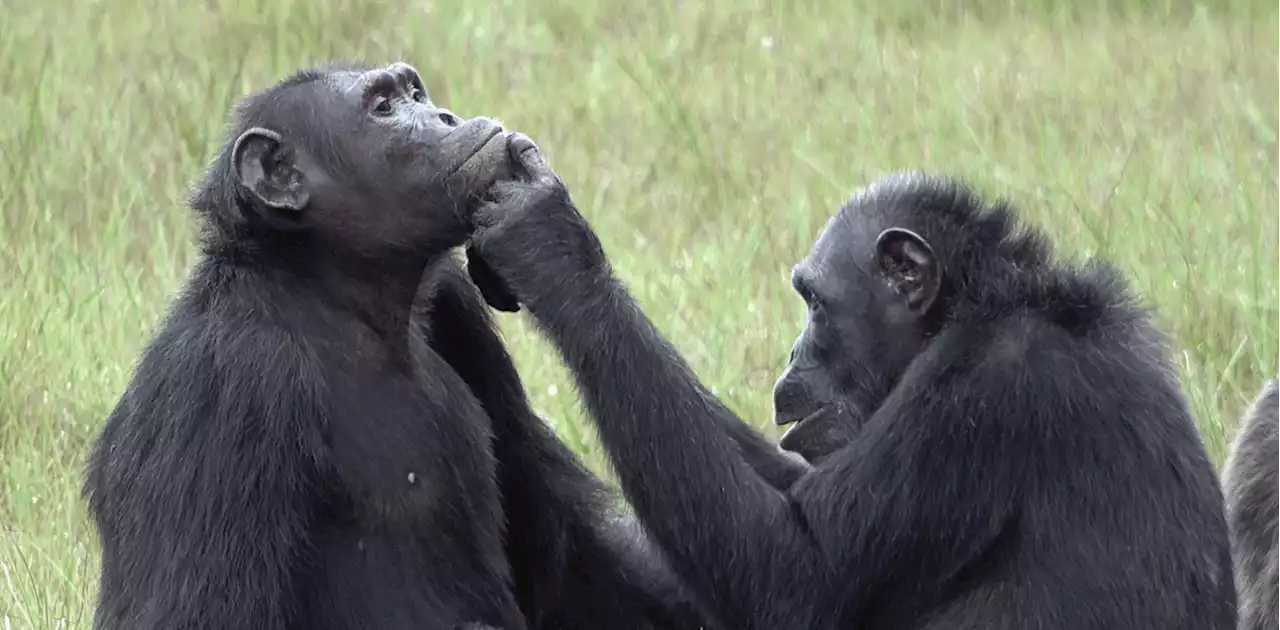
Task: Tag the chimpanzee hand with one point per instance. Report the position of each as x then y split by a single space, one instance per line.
494 290
529 238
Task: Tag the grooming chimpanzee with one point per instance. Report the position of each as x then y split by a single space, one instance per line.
294 452
1251 477
999 441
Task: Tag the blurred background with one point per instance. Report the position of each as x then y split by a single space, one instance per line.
707 142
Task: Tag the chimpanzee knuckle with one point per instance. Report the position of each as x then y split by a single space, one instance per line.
546 180
521 142
544 198
534 162
552 191
523 195
557 190
546 186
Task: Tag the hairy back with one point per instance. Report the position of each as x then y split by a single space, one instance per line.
1250 479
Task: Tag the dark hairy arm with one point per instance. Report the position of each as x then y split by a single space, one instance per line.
776 469
203 485
762 455
569 554
727 531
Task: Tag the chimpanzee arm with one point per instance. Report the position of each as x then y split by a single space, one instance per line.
759 557
203 485
738 541
775 468
762 455
933 480
575 566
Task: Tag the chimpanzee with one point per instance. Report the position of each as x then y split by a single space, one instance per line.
311 439
1251 477
998 439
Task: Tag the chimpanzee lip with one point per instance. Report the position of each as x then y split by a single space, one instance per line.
496 131
811 414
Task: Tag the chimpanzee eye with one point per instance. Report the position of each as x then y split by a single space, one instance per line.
417 95
382 106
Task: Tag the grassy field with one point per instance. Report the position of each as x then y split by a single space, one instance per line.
706 141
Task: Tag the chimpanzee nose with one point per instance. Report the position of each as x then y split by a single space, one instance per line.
448 118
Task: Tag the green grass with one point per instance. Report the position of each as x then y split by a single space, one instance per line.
706 141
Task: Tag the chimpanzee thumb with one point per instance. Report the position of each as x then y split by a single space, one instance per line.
495 290
529 159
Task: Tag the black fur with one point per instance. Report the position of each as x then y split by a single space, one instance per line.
579 564
1251 479
292 453
999 439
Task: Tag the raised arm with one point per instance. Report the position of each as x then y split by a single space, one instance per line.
730 533
577 565
762 455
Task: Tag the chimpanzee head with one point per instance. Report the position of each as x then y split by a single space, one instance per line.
904 256
355 158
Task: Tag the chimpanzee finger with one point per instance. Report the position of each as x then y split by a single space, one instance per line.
496 292
528 157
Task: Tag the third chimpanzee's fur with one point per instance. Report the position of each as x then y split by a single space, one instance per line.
999 440
293 452
1250 477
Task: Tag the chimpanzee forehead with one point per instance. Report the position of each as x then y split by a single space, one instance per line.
840 254
323 99
344 80
845 237
349 78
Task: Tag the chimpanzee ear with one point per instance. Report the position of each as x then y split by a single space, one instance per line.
907 264
267 167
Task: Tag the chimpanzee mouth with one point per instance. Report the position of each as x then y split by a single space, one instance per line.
782 422
477 149
814 436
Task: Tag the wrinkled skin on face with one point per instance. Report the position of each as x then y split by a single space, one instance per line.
860 332
372 151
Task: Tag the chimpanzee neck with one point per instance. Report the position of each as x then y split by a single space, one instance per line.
377 291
